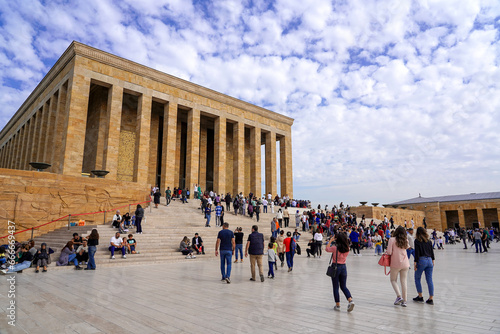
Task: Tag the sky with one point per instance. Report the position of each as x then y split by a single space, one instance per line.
390 98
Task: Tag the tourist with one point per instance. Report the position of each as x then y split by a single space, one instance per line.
318 238
396 248
238 239
115 243
168 196
93 242
228 201
281 247
271 259
440 244
290 246
312 248
139 214
42 258
208 214
77 240
274 230
131 245
32 248
156 197
354 236
434 238
485 240
117 219
411 241
255 247
126 220
264 204
424 262
297 219
226 244
286 217
477 240
197 244
279 216
23 262
256 210
82 253
185 249
68 255
218 212
340 251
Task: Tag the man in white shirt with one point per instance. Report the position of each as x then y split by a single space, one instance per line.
264 203
116 242
117 219
411 241
412 223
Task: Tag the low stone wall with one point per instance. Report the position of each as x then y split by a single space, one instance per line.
399 215
33 198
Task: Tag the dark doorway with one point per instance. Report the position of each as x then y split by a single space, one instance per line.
210 159
470 218
452 218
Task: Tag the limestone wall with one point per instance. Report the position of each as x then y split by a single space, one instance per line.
399 215
34 198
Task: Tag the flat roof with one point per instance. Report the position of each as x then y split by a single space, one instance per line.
450 198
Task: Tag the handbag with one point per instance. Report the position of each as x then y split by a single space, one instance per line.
332 267
385 261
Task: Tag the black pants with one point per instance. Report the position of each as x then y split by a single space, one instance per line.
319 245
485 248
281 257
82 258
257 216
287 221
465 242
355 247
168 199
228 206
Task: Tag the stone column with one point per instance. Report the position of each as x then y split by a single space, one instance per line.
480 216
239 157
193 149
49 142
142 133
76 124
36 136
220 155
29 140
169 145
112 142
59 129
43 131
286 166
9 154
16 151
255 167
22 134
202 176
271 181
461 217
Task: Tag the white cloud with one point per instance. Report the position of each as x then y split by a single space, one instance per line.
390 98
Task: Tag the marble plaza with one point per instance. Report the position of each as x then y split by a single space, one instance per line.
188 297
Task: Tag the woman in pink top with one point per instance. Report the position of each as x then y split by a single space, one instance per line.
342 244
399 263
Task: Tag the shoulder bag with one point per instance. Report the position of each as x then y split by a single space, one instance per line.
385 261
332 267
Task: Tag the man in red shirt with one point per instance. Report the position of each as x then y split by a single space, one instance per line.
289 244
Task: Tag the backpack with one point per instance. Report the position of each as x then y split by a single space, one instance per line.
293 245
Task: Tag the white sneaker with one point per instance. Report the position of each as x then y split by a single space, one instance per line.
350 306
193 256
112 257
124 256
360 254
336 308
188 257
398 301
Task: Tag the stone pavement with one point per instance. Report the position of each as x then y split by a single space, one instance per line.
188 297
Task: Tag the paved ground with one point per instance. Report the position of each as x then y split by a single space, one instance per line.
188 297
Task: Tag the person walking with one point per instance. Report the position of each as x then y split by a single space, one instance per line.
424 262
318 238
281 247
168 195
286 217
225 243
274 230
208 214
354 236
279 215
290 246
477 240
411 242
238 238
297 219
396 248
339 256
92 242
255 247
139 214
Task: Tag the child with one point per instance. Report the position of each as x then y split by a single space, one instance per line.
275 249
3 260
43 258
131 243
271 258
377 240
440 243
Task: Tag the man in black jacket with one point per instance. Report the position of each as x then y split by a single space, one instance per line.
197 244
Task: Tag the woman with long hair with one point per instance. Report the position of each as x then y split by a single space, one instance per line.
92 241
139 214
68 255
340 279
396 248
424 261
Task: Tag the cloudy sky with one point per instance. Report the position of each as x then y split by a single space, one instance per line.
390 98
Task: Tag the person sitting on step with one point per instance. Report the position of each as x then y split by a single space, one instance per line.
23 263
116 242
42 258
197 244
82 252
185 249
131 244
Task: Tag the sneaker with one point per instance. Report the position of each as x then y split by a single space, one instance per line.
236 261
124 256
430 301
223 280
282 264
350 306
44 271
252 279
188 257
418 299
289 269
37 271
241 260
403 304
228 280
262 278
78 268
398 301
193 256
336 308
360 254
112 257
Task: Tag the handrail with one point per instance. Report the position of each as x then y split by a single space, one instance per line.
76 214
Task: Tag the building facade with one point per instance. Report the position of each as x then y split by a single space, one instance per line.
97 111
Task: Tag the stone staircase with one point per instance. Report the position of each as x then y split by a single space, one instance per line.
163 230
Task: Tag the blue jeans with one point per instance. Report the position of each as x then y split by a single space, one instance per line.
239 248
112 249
424 264
378 249
340 279
21 266
289 259
478 243
72 257
208 220
271 269
410 252
274 234
265 208
91 263
225 259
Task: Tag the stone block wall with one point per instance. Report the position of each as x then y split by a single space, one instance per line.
399 215
33 198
